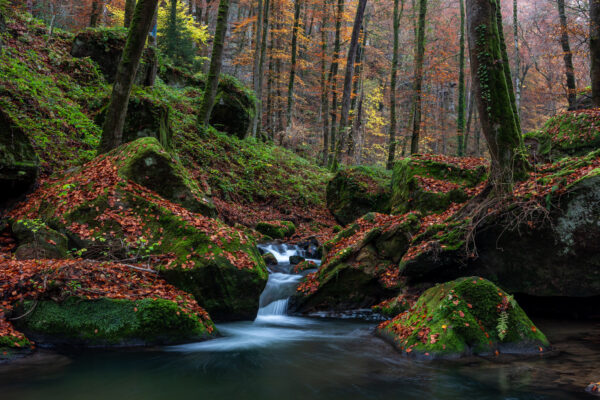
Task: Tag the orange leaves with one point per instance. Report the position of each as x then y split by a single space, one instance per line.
309 285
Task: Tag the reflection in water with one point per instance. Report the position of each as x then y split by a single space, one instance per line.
287 358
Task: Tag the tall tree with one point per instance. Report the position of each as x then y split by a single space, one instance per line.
517 55
216 61
333 72
348 77
567 54
97 6
460 120
290 97
255 70
261 66
397 15
418 83
129 8
112 130
595 50
491 80
324 85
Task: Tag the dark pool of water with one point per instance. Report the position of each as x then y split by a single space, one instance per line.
281 358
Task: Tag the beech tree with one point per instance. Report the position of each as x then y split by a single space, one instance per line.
492 88
460 119
567 54
595 50
112 130
397 15
129 9
216 60
290 99
418 83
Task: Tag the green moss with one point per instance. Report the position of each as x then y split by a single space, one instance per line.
276 229
109 322
356 191
463 317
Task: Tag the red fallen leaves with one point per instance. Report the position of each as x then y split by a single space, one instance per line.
436 185
468 163
59 279
309 285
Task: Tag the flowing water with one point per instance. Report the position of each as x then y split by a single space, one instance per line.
283 357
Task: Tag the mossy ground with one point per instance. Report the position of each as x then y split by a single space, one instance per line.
464 317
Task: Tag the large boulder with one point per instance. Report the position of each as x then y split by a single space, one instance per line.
105 46
360 266
468 316
84 303
276 229
356 191
146 117
235 106
431 183
36 240
19 163
573 133
542 242
138 203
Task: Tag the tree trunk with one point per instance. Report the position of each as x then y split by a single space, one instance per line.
567 54
255 71
393 82
333 72
96 12
418 85
112 130
595 50
324 87
269 110
460 120
216 61
261 67
492 88
152 69
347 94
517 56
290 97
129 8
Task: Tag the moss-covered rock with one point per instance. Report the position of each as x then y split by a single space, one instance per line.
105 46
111 322
269 259
36 240
468 316
19 164
276 229
360 266
107 215
356 191
146 117
392 307
573 133
430 184
234 107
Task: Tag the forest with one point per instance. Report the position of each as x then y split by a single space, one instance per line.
301 199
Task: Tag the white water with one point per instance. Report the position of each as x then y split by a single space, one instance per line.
272 325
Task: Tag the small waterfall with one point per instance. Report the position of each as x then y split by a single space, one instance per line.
281 284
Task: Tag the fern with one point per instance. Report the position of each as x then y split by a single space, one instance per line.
502 326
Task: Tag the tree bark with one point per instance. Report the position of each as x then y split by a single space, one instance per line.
333 72
216 61
517 56
290 97
129 9
460 120
112 130
397 15
492 88
96 12
349 75
567 54
595 50
418 85
261 66
324 87
255 70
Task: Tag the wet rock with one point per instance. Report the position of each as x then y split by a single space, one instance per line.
269 258
19 164
354 192
294 260
468 316
276 229
311 248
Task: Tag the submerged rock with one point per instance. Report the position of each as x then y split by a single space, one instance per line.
19 164
356 191
430 184
468 316
138 203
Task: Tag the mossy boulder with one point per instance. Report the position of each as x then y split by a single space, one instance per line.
19 163
392 307
111 322
468 316
147 116
573 133
276 229
356 191
269 259
235 106
36 240
120 206
360 267
105 47
430 184
545 244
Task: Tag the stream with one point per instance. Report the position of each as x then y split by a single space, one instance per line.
284 357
